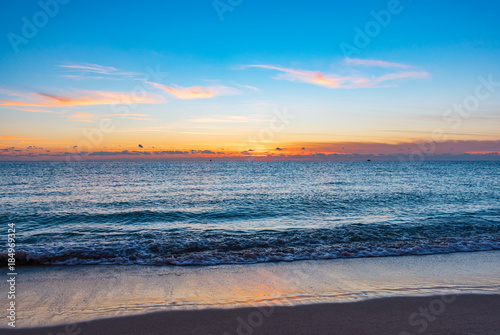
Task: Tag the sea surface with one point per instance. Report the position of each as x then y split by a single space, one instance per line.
207 213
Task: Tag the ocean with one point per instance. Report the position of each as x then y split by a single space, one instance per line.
209 213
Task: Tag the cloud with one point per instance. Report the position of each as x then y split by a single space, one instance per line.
227 119
337 81
197 92
10 137
253 88
444 147
38 110
129 116
171 152
373 62
204 152
474 151
95 69
138 118
82 116
115 153
400 75
310 77
87 117
81 98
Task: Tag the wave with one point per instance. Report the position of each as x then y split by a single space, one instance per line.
215 247
139 216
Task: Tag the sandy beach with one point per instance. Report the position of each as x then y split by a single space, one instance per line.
445 314
446 294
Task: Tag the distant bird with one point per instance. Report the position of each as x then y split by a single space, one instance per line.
140 146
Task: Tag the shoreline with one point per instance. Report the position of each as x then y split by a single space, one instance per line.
446 314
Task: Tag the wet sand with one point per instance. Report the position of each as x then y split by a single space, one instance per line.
307 297
446 314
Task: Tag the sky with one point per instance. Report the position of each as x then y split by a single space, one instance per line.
253 80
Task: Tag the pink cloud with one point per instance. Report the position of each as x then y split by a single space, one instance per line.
336 81
197 92
310 77
38 110
79 116
81 98
82 116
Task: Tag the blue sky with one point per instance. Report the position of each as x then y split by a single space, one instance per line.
261 57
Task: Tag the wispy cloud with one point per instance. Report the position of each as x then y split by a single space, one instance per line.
11 137
400 75
87 117
38 110
197 92
137 118
127 114
130 116
338 81
86 68
82 77
253 88
310 77
81 98
373 62
82 116
227 119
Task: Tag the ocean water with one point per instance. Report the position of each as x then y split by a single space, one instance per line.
206 213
